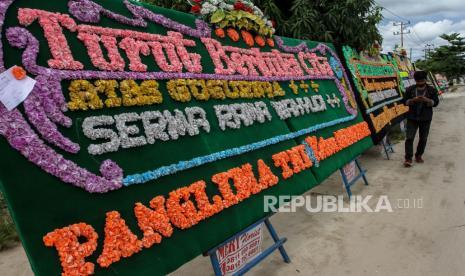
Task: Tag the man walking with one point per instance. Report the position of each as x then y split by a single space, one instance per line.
420 98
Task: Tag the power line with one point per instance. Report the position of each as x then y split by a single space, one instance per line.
404 22
416 41
384 28
402 25
418 36
402 18
391 12
389 19
418 48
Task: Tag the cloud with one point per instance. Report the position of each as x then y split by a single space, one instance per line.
421 33
413 9
429 19
430 30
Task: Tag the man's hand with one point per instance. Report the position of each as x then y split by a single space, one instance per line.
413 100
427 100
422 99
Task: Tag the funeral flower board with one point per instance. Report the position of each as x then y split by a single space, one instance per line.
379 89
149 137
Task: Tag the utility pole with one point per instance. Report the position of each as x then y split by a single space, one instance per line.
410 54
428 48
402 25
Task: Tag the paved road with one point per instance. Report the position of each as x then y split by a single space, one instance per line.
409 241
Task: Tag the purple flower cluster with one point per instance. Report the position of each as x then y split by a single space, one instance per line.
111 171
47 129
302 47
88 11
44 107
53 101
3 8
21 137
46 99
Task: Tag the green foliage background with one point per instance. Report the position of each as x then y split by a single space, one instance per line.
348 22
448 60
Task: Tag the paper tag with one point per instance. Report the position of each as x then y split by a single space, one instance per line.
12 91
237 253
349 171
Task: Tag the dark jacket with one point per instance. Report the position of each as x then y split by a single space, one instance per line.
420 111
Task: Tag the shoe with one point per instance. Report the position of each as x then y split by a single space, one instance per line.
418 159
407 163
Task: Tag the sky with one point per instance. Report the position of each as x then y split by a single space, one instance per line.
428 20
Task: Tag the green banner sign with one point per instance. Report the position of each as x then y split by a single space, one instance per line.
150 136
379 89
406 68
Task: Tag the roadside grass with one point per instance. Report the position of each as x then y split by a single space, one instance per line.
8 235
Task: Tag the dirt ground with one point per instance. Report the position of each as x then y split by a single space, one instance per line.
409 241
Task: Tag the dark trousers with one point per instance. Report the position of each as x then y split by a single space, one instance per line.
412 127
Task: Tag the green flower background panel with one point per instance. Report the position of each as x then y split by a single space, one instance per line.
41 202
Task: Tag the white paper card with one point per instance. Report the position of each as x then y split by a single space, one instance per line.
13 91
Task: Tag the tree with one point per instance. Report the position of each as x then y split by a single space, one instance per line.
448 60
349 22
180 5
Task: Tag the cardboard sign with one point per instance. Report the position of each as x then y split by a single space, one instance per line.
350 170
237 253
